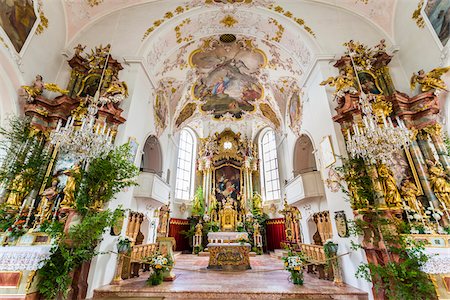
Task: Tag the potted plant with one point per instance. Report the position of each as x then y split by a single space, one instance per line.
159 264
294 264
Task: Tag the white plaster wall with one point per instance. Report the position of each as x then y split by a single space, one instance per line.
317 123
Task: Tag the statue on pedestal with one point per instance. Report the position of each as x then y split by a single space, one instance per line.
409 192
391 193
17 191
44 209
71 186
440 183
164 214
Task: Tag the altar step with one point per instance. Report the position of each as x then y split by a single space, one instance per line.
279 253
265 281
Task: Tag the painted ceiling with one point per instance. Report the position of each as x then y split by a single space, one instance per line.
199 77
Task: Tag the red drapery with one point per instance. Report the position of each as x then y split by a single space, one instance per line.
176 226
275 233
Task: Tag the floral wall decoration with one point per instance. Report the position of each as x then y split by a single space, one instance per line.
160 112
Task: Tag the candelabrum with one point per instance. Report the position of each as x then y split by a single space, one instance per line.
86 141
376 138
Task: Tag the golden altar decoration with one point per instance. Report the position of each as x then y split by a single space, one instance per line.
229 257
227 163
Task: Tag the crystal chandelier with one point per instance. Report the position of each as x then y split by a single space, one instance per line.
376 139
86 141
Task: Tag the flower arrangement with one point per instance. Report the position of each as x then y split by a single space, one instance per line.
294 264
159 264
242 238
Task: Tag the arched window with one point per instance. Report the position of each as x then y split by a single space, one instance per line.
269 166
185 166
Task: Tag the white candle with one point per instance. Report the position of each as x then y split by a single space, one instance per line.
58 126
104 128
68 122
84 123
390 122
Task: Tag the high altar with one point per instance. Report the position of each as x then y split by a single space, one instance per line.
227 163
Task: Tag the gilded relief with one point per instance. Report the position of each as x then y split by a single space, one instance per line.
228 77
160 110
17 19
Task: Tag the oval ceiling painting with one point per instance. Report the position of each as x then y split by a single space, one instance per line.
227 81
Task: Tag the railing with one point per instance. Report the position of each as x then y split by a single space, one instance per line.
314 253
132 263
152 188
140 252
304 186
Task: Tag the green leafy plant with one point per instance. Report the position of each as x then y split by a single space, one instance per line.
198 209
400 277
71 250
24 155
359 184
105 177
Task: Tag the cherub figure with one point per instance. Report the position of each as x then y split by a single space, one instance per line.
35 89
431 80
343 83
78 49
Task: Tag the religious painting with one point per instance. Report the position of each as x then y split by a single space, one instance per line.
438 13
228 83
17 19
369 83
295 112
160 111
187 112
399 166
268 113
341 224
227 183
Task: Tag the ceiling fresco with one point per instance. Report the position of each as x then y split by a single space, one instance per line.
228 77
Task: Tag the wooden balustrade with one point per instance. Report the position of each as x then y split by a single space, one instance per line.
315 255
132 263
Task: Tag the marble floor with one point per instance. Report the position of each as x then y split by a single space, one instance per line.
266 280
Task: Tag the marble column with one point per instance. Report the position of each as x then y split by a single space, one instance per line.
435 133
420 164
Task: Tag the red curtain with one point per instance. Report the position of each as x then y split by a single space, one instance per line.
275 233
176 226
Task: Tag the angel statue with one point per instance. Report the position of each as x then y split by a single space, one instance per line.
430 80
344 83
38 86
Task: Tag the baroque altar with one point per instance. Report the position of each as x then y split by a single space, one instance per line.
227 163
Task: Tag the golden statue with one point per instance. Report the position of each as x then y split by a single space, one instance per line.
256 228
353 188
116 87
39 86
257 203
70 188
343 83
440 183
390 190
17 191
228 216
409 192
199 229
44 208
431 80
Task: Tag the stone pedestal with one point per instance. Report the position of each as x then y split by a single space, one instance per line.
165 247
230 257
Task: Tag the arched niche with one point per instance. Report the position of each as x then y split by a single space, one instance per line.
304 160
152 156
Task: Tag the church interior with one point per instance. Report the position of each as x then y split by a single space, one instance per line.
224 149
